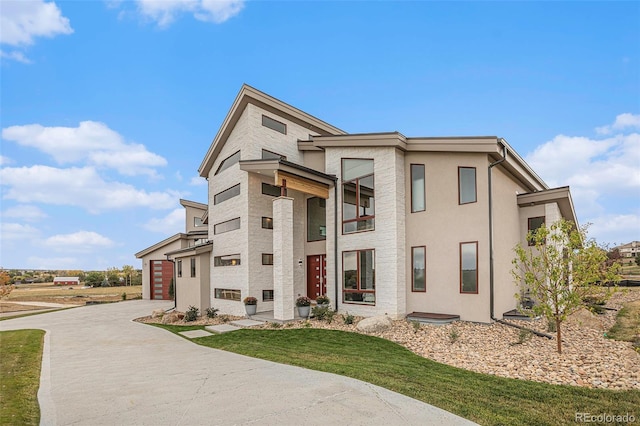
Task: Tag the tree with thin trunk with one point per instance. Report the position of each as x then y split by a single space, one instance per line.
560 269
127 270
5 285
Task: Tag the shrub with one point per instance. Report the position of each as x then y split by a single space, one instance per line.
303 301
275 325
523 336
250 300
416 325
348 318
323 300
191 314
454 335
212 312
124 296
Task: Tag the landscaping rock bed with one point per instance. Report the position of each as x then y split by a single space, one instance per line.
588 359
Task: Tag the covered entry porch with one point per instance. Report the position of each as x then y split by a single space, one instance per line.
291 178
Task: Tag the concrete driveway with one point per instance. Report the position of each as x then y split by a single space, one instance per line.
100 368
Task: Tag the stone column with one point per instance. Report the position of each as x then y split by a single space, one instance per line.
283 290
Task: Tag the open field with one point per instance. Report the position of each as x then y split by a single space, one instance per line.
20 376
75 295
485 399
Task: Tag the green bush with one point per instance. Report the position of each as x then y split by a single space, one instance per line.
212 312
191 314
348 318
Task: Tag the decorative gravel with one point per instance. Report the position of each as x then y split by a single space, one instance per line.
588 358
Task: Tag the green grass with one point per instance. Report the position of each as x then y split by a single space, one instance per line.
46 311
627 326
20 363
485 399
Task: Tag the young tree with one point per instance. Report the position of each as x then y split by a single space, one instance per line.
560 269
5 285
127 270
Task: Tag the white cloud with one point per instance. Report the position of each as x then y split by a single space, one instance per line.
91 141
622 122
81 187
197 181
165 12
604 176
4 160
15 55
17 231
22 21
81 240
616 229
25 212
171 224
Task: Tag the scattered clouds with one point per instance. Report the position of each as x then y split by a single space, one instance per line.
23 21
601 171
81 240
622 122
81 187
165 12
91 141
17 231
168 225
25 212
197 181
15 56
4 160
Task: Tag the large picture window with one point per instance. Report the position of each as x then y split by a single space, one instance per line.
467 185
274 191
316 219
228 162
469 267
418 202
419 268
227 293
358 195
227 260
359 277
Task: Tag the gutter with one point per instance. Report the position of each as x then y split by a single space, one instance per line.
491 268
335 241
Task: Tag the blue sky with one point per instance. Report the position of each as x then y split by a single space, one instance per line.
108 107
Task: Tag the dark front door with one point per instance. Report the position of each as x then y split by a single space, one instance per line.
316 275
161 276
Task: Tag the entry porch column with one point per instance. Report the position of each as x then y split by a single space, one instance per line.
283 290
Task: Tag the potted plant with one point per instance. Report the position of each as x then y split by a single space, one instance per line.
250 305
323 301
304 306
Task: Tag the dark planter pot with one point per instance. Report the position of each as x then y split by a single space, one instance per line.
251 309
303 311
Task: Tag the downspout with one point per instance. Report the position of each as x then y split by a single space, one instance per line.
491 273
175 285
335 240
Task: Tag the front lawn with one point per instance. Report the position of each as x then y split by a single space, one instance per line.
627 326
20 361
485 399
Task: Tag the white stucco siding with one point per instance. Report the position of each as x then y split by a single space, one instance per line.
441 228
388 237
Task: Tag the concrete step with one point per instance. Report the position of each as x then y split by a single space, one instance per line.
222 328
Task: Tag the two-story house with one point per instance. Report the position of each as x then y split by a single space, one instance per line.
381 223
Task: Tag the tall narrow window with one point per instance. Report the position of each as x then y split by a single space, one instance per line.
193 267
358 277
469 267
316 219
228 162
358 195
179 268
418 267
467 185
534 223
418 203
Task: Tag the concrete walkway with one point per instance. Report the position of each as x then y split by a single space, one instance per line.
100 368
